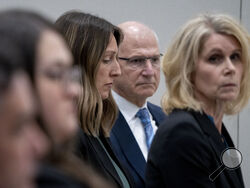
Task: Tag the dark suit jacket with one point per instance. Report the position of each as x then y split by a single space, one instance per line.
126 148
90 150
51 177
186 150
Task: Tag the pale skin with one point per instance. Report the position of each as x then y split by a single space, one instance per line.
218 75
109 69
136 85
56 96
22 143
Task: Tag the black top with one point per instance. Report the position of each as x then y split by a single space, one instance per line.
51 177
90 150
186 150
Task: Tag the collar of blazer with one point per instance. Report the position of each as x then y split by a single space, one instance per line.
218 146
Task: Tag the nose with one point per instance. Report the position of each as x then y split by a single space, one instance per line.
116 69
230 67
73 89
148 70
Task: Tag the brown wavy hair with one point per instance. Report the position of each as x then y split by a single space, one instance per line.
88 37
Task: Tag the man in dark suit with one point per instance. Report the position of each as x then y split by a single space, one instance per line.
139 59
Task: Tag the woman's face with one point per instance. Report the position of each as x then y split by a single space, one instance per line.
219 70
55 90
21 141
108 70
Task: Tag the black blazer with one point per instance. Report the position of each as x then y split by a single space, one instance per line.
126 148
186 150
51 177
90 150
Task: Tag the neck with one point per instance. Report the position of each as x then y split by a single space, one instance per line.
138 101
216 110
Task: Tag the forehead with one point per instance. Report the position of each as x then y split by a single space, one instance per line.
52 49
221 42
140 44
112 46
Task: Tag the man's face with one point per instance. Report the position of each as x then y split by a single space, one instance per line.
139 80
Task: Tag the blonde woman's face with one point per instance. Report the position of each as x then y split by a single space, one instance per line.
218 70
56 93
108 70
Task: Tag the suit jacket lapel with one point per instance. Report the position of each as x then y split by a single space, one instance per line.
210 130
214 138
129 145
155 113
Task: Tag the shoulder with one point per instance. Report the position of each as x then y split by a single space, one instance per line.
157 112
83 144
177 120
182 146
50 176
152 106
180 132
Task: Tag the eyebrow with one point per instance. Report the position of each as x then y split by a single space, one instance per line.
110 52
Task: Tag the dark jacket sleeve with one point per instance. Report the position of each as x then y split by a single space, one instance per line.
179 156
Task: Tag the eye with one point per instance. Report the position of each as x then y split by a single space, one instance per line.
235 57
137 60
54 74
216 58
155 60
106 60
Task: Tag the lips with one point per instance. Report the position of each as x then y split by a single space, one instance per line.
229 85
145 83
109 84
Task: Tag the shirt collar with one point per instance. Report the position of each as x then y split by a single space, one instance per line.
127 108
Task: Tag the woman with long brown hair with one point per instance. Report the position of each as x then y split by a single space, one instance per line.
94 43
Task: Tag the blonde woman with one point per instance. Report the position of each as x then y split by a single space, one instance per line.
207 76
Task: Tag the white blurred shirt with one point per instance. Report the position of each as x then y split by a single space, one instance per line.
129 111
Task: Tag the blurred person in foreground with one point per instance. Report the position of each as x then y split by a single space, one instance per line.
22 143
49 64
207 76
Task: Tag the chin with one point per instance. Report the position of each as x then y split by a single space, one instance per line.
147 93
229 98
105 96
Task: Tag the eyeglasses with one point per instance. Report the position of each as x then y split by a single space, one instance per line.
140 62
66 75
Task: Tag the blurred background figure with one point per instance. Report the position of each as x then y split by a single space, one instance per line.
49 64
94 43
207 76
22 143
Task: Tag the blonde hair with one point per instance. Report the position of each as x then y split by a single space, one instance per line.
179 61
88 37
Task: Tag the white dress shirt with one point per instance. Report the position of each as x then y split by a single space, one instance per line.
129 111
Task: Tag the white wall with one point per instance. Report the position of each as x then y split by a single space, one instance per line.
244 117
165 17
